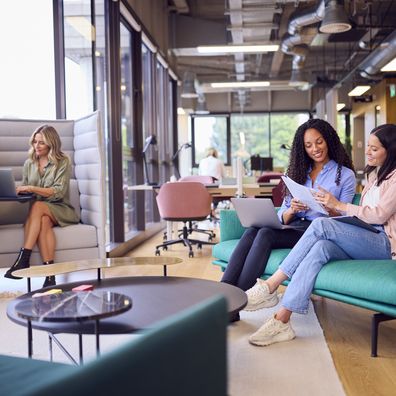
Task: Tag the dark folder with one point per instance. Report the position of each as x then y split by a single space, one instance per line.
356 222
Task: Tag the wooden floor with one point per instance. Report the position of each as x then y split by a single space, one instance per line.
346 328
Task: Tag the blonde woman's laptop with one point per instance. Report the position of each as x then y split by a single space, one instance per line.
257 212
7 184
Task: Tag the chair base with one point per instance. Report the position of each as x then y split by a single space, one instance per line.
185 240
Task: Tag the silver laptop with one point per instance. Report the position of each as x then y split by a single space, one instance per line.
257 212
7 183
11 210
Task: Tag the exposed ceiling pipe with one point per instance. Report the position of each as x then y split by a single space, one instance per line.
296 42
307 17
383 54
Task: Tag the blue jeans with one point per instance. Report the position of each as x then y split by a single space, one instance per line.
326 239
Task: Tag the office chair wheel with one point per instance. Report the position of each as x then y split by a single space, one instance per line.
157 252
165 248
199 246
190 254
210 238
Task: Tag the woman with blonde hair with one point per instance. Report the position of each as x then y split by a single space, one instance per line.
211 165
46 174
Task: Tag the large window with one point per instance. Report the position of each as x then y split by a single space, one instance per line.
79 48
149 127
250 135
283 128
210 131
247 135
27 73
128 163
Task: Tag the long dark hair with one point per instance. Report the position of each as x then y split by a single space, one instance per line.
300 163
386 134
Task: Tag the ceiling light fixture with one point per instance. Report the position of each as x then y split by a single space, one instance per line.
188 88
240 84
340 106
335 19
359 90
201 105
390 67
232 49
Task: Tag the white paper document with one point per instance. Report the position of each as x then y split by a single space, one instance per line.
304 194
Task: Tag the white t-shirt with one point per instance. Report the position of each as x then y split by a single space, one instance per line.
372 196
211 166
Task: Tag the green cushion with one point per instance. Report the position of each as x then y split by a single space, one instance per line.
231 227
373 280
19 375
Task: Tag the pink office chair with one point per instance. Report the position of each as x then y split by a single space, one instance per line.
278 193
198 178
183 201
193 227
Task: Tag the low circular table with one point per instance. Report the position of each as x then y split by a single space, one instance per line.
99 264
74 307
154 298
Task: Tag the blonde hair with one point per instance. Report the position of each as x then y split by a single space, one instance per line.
211 151
52 140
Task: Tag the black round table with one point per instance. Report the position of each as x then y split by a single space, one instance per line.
154 298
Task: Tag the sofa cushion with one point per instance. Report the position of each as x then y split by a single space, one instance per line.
75 236
373 280
19 375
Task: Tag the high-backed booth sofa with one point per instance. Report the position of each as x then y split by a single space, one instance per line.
82 141
369 284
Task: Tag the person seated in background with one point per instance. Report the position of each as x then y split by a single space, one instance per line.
317 159
211 165
327 239
46 174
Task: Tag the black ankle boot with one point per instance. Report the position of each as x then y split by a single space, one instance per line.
21 262
49 280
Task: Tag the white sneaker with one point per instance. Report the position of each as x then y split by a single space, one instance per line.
259 297
272 331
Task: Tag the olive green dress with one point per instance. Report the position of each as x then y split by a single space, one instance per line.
58 178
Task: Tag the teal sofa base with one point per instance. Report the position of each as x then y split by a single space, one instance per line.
369 284
172 359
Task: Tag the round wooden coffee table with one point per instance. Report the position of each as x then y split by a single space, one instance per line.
99 264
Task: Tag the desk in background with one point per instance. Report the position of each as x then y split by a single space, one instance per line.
250 190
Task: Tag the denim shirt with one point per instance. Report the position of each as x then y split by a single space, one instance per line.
344 192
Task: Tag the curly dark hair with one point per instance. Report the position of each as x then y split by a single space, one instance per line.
386 134
300 163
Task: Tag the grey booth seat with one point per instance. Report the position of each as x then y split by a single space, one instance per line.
82 140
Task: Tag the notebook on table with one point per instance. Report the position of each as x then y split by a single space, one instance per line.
258 212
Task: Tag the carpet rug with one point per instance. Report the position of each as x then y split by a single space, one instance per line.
303 366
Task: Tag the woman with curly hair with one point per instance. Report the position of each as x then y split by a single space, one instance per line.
46 174
317 159
327 239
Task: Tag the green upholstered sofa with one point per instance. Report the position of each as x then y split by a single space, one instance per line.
183 355
369 284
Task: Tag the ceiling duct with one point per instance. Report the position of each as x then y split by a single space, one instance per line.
298 38
335 19
383 54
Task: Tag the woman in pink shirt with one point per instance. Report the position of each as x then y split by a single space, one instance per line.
328 239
